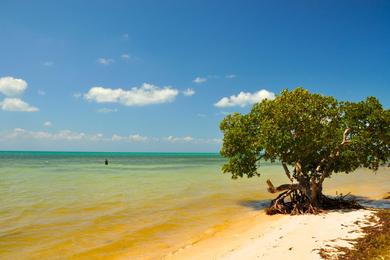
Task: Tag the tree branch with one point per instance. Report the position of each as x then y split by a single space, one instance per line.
320 164
272 189
345 136
286 170
298 168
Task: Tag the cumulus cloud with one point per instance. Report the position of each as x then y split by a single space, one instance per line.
125 56
47 124
190 139
130 138
12 87
128 57
69 136
230 76
245 98
16 104
199 80
188 92
105 110
105 61
147 94
173 139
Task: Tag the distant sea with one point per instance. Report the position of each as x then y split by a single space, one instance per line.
57 205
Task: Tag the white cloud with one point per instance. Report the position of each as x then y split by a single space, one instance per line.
217 140
77 95
173 139
190 139
105 61
201 115
125 56
130 138
169 139
117 137
47 124
188 92
230 76
41 92
128 57
199 80
105 110
245 98
223 113
48 63
68 135
16 104
125 35
147 94
12 87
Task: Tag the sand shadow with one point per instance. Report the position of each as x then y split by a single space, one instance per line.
364 201
255 204
369 203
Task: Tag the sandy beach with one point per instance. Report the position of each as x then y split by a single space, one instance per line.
282 237
258 236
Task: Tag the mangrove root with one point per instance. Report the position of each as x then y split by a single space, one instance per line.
294 202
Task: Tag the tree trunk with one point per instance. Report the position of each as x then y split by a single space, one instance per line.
305 197
313 191
315 194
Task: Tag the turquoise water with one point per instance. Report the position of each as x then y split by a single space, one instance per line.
71 203
64 205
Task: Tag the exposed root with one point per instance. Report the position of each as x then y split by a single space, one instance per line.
294 202
339 202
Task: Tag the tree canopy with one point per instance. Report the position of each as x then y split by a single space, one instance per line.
315 134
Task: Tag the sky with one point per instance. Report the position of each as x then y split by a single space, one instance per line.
159 76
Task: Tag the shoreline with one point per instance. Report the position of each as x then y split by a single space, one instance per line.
260 236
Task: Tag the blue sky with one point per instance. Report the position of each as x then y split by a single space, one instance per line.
147 75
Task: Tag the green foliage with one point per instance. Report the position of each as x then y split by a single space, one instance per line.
370 141
298 126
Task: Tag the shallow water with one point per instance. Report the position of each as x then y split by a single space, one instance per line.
71 205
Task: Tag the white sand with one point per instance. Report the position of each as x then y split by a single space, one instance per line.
286 237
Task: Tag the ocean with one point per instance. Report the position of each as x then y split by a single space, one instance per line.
70 205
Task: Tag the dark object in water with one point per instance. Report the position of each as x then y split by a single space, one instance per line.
106 162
